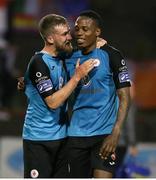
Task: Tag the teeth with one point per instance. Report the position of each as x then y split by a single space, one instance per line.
80 40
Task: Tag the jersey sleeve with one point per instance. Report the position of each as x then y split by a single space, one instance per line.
39 75
119 70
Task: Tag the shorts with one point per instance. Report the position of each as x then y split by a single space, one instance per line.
45 159
83 155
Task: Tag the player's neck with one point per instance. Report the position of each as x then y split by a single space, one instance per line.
50 51
88 50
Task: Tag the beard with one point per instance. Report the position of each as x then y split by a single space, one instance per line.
65 50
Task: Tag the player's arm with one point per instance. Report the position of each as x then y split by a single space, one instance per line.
40 77
122 83
124 102
57 98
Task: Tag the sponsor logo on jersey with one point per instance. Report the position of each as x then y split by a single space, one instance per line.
123 62
34 173
38 74
41 79
123 68
112 163
124 77
44 85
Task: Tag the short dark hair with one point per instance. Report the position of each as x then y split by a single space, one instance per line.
48 23
93 15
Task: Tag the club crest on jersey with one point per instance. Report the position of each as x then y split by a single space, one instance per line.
97 62
34 173
85 81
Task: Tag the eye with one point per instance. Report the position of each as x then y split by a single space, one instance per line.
85 29
66 33
76 28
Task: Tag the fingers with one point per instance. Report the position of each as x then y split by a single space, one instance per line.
83 69
78 63
100 42
90 63
20 84
106 150
21 79
104 153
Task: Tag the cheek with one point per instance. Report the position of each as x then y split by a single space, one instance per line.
91 39
60 42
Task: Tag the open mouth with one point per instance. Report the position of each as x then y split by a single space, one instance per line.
68 43
80 41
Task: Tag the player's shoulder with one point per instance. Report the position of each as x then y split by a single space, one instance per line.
37 60
110 49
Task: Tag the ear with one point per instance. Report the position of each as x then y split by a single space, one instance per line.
50 39
98 32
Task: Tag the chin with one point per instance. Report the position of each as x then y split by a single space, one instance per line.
80 46
69 50
66 53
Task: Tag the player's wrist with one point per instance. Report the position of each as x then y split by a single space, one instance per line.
76 78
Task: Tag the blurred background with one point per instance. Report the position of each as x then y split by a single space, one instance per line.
129 26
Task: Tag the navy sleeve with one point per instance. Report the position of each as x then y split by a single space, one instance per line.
39 74
118 67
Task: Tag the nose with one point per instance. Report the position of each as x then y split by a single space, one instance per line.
69 37
78 32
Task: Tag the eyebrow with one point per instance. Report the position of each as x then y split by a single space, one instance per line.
66 32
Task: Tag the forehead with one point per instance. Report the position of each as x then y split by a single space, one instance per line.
85 21
61 28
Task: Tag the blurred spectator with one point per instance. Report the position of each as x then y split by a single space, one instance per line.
8 74
3 17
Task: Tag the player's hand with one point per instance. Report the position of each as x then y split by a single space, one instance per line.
82 70
109 144
100 42
20 84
